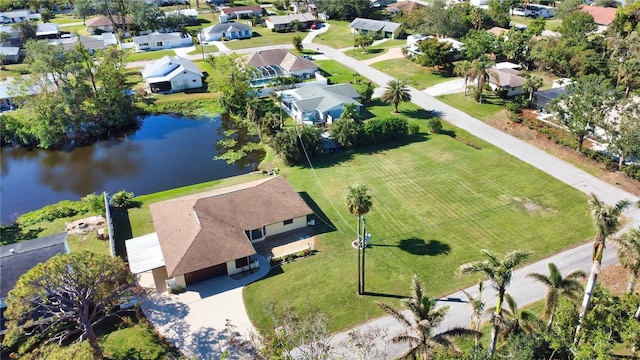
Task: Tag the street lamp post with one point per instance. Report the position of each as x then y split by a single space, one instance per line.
363 243
201 42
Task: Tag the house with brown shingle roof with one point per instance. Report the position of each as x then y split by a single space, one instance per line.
292 64
603 16
242 12
506 79
213 233
104 23
404 7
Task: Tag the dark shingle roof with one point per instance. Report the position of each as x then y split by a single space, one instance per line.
374 25
16 259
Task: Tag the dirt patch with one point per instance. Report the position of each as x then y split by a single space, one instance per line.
615 278
86 225
531 207
295 246
533 137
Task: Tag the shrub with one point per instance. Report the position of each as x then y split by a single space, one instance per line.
62 209
434 125
94 203
122 199
414 129
177 290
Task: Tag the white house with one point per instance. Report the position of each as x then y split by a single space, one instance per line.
191 14
319 104
534 10
213 233
284 22
506 79
12 17
413 44
48 31
10 54
171 74
483 4
383 29
159 41
228 31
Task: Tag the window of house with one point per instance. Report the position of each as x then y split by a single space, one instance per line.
159 44
287 222
194 80
242 262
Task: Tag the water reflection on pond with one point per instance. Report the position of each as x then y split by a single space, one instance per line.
166 152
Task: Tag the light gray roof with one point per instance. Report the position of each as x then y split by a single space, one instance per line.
169 66
26 255
9 51
325 97
47 29
228 27
15 14
286 19
157 36
282 57
374 25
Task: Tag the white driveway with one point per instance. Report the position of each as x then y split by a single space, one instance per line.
448 87
194 321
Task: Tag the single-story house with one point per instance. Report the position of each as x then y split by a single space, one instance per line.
383 29
498 31
603 16
242 12
284 22
90 42
534 10
104 24
403 7
191 14
160 41
18 258
171 74
506 79
48 31
542 97
10 54
483 4
319 104
11 34
226 31
16 16
281 59
381 3
302 6
213 233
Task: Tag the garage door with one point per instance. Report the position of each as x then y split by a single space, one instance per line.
205 274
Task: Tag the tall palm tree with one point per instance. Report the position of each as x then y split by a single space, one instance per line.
419 330
478 310
395 93
463 69
531 84
557 286
499 272
606 219
629 255
480 72
359 203
515 321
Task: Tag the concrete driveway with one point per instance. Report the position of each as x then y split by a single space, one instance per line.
195 320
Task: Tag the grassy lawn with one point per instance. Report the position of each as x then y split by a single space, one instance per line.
374 51
411 73
262 37
207 49
490 106
338 73
550 24
436 203
338 35
148 55
65 19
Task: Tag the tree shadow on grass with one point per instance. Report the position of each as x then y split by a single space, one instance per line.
323 223
418 113
341 156
417 246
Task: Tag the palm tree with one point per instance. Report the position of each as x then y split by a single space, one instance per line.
557 286
359 203
515 321
531 84
629 255
499 272
463 69
396 92
480 72
478 310
419 331
606 219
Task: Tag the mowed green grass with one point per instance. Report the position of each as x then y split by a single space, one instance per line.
411 73
436 203
491 104
337 36
262 37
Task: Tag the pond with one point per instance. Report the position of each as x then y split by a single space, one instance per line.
166 152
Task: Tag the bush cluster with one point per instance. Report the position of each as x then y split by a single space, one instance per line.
276 260
374 131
